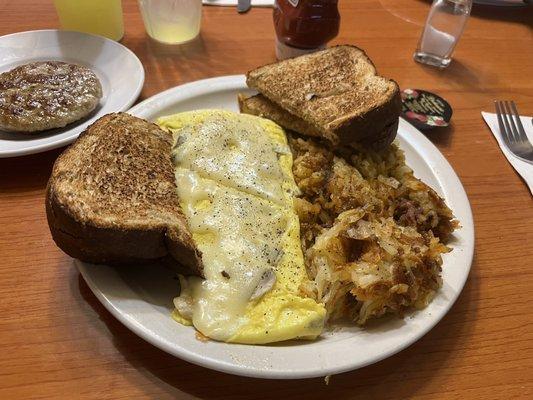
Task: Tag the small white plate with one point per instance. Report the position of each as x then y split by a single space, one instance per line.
141 298
119 70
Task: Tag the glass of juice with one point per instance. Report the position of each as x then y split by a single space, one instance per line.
171 21
100 17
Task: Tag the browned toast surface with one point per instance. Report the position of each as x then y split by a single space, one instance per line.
112 197
336 91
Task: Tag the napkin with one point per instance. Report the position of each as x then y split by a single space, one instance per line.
255 3
524 168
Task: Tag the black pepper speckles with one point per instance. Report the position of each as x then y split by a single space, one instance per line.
235 153
251 215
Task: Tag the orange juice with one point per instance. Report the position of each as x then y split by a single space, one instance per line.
101 17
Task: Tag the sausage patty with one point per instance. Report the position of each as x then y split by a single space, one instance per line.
45 95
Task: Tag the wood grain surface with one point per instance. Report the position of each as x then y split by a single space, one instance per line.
57 341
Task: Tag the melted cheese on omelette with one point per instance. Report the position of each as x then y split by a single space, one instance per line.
235 184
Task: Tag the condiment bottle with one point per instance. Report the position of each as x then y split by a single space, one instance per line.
304 26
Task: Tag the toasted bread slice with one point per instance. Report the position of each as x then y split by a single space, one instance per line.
262 107
336 92
112 197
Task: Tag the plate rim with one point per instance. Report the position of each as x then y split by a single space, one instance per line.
67 140
203 86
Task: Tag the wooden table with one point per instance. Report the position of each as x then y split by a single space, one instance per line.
57 341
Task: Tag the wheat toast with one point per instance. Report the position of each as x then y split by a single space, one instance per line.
111 198
336 92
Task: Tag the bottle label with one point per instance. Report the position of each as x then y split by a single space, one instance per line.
294 3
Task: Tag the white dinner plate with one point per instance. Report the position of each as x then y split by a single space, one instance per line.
118 69
141 298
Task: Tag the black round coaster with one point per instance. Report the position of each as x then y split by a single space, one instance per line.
425 109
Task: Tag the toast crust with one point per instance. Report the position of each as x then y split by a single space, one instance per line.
102 220
377 128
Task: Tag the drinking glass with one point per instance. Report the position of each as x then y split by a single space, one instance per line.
171 21
101 17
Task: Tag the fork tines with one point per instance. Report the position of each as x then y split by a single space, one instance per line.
512 130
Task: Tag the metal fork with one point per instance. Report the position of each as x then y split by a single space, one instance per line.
512 130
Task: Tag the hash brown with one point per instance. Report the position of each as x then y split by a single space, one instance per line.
372 233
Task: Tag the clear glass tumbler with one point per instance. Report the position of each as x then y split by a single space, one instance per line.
444 26
101 17
171 21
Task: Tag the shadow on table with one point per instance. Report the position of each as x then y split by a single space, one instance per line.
167 66
520 15
403 375
27 173
441 137
171 59
188 49
468 77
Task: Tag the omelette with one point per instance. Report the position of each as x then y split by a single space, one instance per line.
235 184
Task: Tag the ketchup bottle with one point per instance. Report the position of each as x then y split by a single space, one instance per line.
304 26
